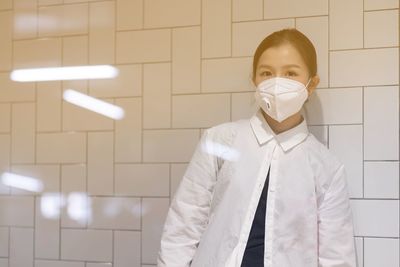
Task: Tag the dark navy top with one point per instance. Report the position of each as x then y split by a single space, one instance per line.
254 252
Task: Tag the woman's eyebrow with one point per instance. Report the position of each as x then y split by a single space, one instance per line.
285 66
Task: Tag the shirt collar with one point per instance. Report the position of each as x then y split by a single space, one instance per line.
287 139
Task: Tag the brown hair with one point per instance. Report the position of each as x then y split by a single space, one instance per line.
294 37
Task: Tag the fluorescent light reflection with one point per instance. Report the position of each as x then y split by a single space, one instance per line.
94 104
22 182
221 151
50 205
64 73
79 208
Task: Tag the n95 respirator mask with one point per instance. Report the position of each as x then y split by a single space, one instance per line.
281 97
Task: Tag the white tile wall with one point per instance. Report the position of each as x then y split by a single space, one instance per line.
247 35
376 218
374 35
139 179
323 106
160 13
292 8
243 10
381 179
381 251
6 40
346 24
216 28
381 123
364 67
200 111
345 141
226 75
183 66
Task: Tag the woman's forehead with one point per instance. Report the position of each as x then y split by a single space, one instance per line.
282 55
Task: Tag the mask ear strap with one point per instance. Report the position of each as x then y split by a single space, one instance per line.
308 82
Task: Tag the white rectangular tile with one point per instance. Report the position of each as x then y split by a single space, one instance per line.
322 107
61 148
25 19
4 262
127 83
293 8
5 118
243 105
102 32
359 251
37 53
47 175
47 226
320 132
144 46
75 50
216 28
243 10
16 211
54 263
63 20
200 111
345 24
129 14
88 120
127 249
317 30
4 245
23 133
381 252
380 4
367 64
48 106
6 33
6 4
21 247
157 96
87 245
160 145
73 188
160 13
5 158
100 163
49 2
227 75
378 218
381 179
246 36
186 62
142 179
121 213
345 141
177 172
154 212
381 123
15 91
128 132
374 22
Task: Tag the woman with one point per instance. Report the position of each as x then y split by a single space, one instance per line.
264 191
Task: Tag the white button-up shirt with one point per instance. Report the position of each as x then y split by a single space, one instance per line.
308 217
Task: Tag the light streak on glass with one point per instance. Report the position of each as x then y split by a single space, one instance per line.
93 104
22 182
64 73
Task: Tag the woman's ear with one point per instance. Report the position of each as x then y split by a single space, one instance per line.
313 84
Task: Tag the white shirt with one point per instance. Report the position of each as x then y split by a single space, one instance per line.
308 218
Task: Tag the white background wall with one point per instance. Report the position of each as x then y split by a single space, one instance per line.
184 66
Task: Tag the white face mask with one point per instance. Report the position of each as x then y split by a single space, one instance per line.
280 97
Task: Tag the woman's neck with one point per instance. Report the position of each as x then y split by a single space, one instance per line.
288 123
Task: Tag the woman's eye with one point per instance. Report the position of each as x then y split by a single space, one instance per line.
265 73
291 73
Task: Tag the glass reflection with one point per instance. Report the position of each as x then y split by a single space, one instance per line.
22 182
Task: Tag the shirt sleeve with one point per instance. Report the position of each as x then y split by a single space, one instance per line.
187 216
336 244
